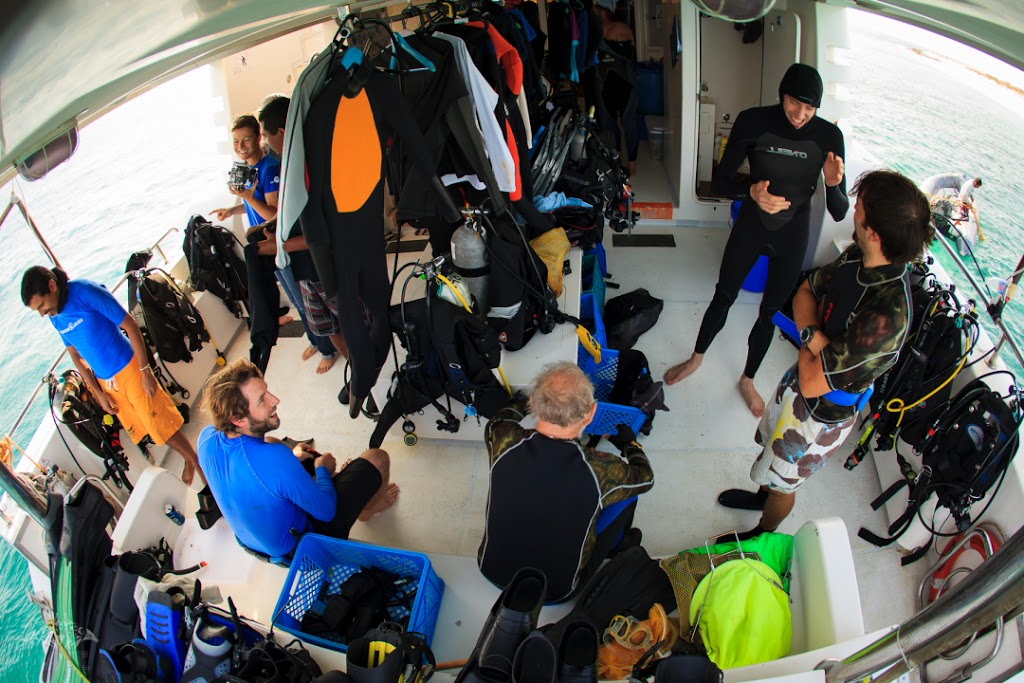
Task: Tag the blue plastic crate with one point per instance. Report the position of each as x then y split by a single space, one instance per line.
321 560
603 377
592 281
602 257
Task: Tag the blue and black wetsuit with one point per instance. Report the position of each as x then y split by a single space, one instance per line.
791 160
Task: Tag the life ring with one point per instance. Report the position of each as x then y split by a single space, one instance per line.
942 575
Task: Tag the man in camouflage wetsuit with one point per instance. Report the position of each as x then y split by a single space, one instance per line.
853 316
553 504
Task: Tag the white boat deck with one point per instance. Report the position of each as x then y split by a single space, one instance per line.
704 445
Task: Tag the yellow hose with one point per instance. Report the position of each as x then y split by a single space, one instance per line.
458 294
896 404
52 623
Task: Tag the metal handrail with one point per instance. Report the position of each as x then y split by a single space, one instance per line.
989 592
983 295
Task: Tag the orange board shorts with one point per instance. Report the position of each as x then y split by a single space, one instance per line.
141 414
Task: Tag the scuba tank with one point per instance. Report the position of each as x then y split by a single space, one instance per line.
469 256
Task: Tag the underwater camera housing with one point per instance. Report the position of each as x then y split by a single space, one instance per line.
241 175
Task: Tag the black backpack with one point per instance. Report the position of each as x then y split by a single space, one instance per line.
911 394
450 352
171 324
629 315
214 265
966 452
520 301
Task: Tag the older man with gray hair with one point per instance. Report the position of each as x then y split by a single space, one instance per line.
554 504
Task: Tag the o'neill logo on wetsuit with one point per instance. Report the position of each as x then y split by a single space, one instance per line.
787 152
72 325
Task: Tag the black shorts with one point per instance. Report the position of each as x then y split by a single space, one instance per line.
355 486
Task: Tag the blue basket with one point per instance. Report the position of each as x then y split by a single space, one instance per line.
757 278
592 281
321 560
603 376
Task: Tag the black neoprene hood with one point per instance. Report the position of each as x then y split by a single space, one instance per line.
802 82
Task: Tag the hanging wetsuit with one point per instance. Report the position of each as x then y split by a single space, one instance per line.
791 159
346 131
560 28
612 88
440 103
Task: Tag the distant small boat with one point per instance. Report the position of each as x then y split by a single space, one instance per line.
955 217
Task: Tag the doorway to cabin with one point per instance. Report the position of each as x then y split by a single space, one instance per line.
740 67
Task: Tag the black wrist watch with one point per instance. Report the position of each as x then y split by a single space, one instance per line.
807 334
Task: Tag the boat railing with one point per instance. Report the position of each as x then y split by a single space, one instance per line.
1006 336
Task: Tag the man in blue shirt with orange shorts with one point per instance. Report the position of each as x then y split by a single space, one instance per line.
106 345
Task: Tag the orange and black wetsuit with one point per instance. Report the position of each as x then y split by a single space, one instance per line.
346 135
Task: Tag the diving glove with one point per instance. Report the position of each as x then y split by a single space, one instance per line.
623 437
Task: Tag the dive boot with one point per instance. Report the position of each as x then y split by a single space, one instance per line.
511 619
209 654
536 661
577 653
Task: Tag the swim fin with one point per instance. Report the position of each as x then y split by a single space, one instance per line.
164 630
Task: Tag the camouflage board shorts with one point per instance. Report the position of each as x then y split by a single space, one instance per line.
795 444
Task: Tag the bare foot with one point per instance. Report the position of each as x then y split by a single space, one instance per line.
750 395
683 370
383 502
188 473
308 353
326 364
284 320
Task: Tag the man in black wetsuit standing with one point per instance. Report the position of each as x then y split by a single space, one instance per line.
788 147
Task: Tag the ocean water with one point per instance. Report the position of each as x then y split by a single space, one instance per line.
921 104
924 104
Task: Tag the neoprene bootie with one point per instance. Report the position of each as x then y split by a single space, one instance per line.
513 616
209 654
536 661
577 653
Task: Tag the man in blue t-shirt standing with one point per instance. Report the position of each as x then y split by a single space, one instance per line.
259 201
269 493
106 345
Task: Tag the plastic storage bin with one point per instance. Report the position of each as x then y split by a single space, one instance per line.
603 376
657 133
602 259
320 560
650 78
757 278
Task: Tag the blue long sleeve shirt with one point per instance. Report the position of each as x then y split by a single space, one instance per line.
263 490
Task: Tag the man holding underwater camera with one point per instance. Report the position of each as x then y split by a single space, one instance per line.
259 196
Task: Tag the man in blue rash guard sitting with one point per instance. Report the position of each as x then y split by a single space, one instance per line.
264 488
